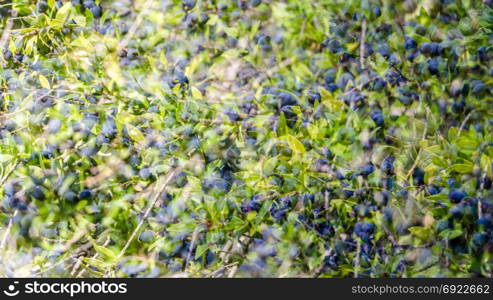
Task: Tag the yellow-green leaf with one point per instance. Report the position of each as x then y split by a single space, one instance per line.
134 133
295 144
64 11
163 59
44 82
462 168
196 93
106 253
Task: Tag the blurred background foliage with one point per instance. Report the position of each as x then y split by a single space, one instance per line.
295 138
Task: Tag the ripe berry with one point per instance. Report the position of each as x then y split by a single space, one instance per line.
410 43
95 10
456 196
479 238
41 6
314 96
364 230
429 48
252 204
387 165
479 89
188 4
333 45
232 42
377 117
458 107
85 194
286 99
332 87
145 173
255 3
367 169
433 66
38 193
483 54
180 79
377 11
433 190
418 176
146 236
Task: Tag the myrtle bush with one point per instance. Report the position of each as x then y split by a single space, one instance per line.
246 138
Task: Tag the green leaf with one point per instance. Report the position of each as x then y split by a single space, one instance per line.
64 11
262 212
462 168
467 143
163 59
181 228
94 262
106 253
201 250
452 133
135 133
196 93
236 223
295 144
282 127
450 233
422 233
5 158
44 82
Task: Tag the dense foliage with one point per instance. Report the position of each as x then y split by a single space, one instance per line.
332 138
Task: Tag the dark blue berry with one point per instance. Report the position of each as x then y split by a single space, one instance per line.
188 4
418 176
377 117
433 66
429 48
479 239
95 10
85 194
409 43
367 169
456 196
146 236
387 165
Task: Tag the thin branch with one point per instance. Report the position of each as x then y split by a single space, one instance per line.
268 73
241 248
357 260
326 204
77 237
7 230
61 261
79 261
362 45
7 175
221 269
192 245
419 153
135 25
464 122
6 33
148 210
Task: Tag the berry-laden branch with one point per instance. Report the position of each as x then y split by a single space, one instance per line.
6 33
168 179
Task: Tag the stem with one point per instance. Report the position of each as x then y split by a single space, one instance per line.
148 210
